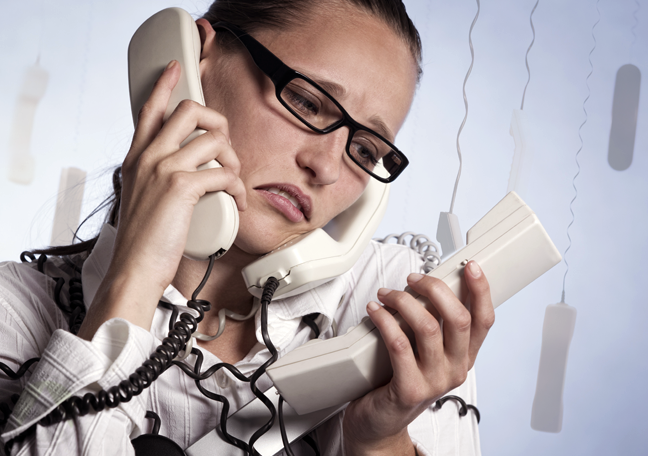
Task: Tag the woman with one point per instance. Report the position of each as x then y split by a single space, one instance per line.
286 180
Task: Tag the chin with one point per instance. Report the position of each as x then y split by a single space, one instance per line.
259 237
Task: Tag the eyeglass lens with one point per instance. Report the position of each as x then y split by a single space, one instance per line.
318 110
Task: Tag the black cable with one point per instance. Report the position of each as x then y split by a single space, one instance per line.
77 306
282 428
463 407
198 377
174 312
269 289
475 411
179 334
76 310
21 370
310 321
156 421
284 437
312 443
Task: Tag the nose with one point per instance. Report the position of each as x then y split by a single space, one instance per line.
323 156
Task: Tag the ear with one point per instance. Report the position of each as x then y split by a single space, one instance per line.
207 38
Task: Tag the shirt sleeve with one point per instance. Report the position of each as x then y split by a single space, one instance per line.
68 366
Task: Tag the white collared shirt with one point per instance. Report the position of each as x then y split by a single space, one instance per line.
31 325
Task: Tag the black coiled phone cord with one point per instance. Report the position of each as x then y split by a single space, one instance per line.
158 362
180 332
143 376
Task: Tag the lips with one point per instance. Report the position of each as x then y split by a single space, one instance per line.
288 199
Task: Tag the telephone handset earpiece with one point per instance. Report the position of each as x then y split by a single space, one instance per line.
169 35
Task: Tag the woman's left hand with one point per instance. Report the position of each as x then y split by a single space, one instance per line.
377 423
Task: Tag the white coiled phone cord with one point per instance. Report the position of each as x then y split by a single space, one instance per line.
421 244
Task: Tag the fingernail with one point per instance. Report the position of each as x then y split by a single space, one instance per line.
372 306
170 65
474 269
382 292
414 277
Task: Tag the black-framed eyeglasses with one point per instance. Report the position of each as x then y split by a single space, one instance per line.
322 113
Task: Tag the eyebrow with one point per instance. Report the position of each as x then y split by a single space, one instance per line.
335 89
382 128
338 91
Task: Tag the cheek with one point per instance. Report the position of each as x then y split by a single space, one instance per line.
350 188
266 145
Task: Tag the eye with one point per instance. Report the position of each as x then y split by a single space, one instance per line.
364 151
301 101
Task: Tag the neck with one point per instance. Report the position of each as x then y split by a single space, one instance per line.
225 287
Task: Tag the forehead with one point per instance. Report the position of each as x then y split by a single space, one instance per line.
357 58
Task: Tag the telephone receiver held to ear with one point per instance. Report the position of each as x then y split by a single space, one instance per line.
303 263
173 35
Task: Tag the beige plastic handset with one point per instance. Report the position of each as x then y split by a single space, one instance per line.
169 35
512 248
322 254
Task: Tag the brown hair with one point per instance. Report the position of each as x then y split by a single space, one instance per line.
252 15
112 201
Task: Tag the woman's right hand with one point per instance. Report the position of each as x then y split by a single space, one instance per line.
160 187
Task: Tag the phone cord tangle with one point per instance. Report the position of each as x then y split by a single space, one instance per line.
180 332
143 376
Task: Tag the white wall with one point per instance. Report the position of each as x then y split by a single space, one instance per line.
84 121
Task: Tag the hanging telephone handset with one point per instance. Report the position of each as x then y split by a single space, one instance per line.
302 263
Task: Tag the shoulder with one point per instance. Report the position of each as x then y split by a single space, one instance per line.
28 306
22 281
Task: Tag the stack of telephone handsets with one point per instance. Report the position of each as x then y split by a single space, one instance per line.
509 243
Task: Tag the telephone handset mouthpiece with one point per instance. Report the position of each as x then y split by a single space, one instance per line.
322 254
169 35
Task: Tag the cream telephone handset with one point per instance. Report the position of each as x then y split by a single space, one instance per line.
172 35
302 263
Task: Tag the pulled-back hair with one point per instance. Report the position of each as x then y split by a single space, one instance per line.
251 16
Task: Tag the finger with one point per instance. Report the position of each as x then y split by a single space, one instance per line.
211 145
456 318
398 345
151 116
426 328
188 116
215 180
481 307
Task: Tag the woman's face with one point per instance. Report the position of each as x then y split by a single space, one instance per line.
360 62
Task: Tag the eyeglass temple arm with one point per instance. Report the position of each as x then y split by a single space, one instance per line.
267 62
